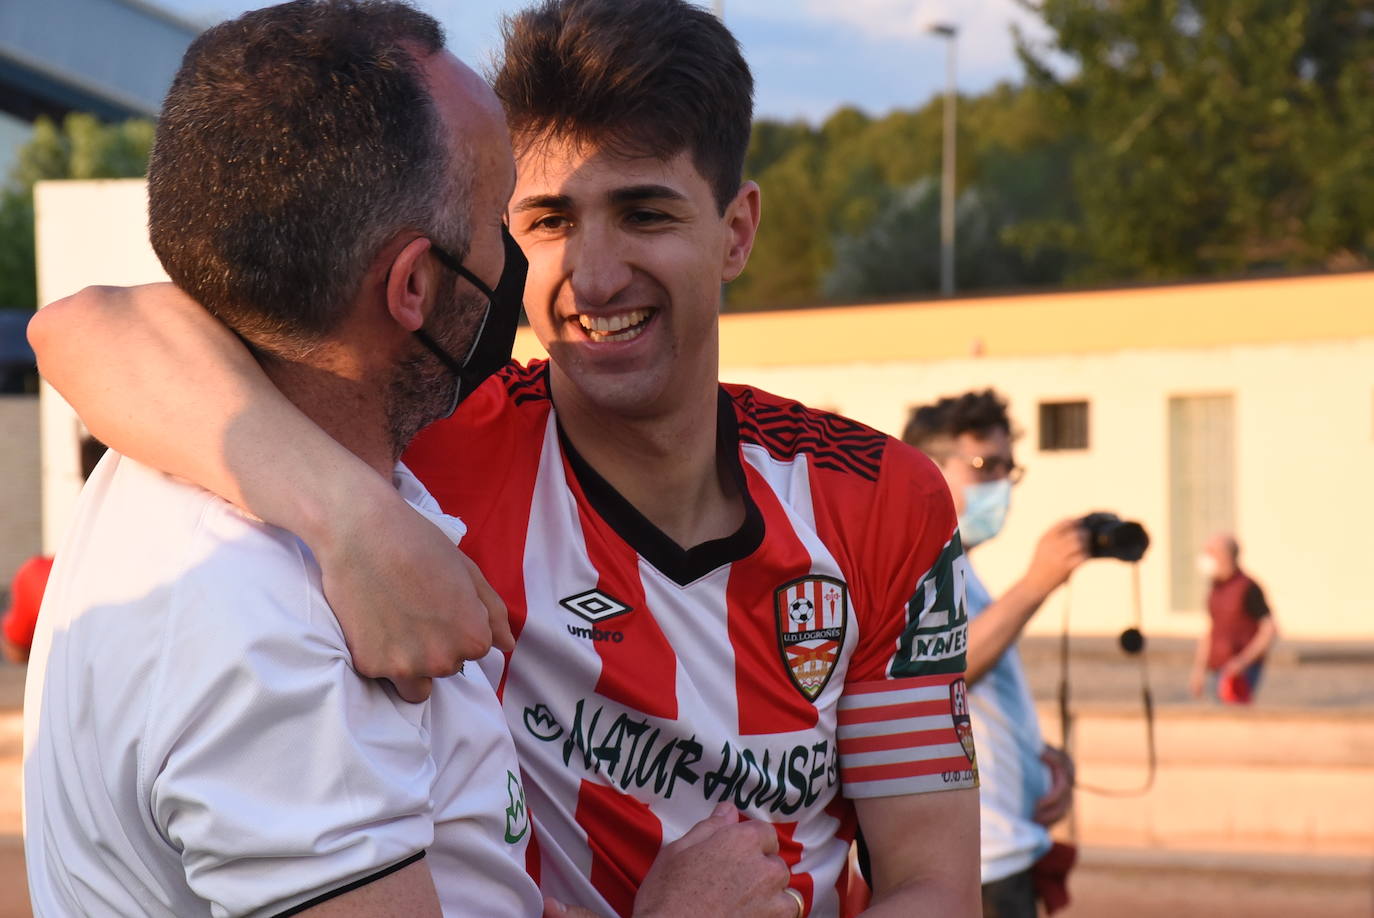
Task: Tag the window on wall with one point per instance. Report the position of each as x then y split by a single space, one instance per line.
1202 490
1063 425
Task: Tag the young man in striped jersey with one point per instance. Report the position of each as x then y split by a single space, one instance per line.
718 595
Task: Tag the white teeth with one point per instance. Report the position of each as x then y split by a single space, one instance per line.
628 335
623 326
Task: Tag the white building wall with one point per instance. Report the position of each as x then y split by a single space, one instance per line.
89 232
1304 467
1304 437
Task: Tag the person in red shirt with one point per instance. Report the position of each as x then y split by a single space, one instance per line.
26 595
1242 627
31 580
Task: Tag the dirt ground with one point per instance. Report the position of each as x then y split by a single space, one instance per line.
1109 893
1107 884
1321 676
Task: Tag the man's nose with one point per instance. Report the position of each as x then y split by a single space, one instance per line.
597 268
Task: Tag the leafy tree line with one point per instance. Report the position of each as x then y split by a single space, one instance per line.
80 148
1151 140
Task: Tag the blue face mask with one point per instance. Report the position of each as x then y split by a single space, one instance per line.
985 510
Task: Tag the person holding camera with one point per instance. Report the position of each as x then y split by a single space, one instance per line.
1027 785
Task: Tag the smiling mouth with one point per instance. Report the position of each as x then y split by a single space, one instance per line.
625 326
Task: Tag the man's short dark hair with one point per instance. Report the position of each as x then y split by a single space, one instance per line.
294 142
934 428
635 77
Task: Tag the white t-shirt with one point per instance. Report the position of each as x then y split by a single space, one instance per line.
1006 732
196 741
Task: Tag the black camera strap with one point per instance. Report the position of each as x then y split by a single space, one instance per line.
1133 643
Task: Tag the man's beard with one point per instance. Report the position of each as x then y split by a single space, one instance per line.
421 388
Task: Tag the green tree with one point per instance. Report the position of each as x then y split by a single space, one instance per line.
1221 137
898 252
792 245
850 211
81 148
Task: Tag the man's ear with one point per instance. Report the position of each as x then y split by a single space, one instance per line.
742 222
410 285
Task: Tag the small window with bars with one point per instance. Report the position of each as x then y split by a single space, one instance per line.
1063 425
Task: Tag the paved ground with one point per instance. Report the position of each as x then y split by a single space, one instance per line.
14 892
1136 884
1108 883
1298 676
1129 886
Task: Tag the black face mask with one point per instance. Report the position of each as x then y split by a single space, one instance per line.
495 337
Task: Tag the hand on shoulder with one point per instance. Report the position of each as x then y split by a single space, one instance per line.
412 606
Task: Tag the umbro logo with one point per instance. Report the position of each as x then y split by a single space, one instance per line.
595 606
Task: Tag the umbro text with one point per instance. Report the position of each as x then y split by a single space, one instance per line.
596 634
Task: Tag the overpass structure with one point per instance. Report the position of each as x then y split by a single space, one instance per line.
112 58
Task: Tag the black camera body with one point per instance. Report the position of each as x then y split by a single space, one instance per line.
1109 536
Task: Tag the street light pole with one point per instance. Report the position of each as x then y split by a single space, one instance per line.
719 7
950 34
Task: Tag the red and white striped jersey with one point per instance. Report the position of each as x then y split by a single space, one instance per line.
813 657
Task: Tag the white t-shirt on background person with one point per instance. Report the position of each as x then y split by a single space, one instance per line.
1006 732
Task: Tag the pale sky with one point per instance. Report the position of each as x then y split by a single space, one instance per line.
809 57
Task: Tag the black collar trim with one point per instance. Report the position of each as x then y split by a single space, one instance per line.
681 565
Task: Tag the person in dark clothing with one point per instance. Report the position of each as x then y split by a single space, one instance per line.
1242 628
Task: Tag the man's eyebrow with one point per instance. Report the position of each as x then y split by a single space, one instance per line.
542 202
635 193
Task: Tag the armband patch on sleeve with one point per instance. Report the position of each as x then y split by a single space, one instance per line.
906 736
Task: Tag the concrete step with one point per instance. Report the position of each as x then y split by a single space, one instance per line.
1200 883
1298 676
1283 783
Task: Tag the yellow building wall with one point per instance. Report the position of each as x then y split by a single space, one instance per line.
1304 460
1178 316
1296 354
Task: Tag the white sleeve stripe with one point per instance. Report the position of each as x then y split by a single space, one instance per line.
899 695
887 727
908 754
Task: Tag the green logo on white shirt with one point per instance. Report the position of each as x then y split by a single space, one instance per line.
517 817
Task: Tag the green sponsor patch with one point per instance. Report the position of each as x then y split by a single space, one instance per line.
936 634
517 816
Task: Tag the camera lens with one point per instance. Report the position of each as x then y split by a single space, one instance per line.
1109 536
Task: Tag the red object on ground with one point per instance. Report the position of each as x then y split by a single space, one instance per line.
1234 689
26 595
